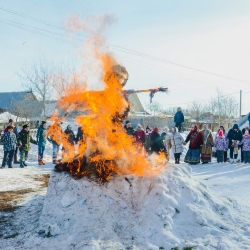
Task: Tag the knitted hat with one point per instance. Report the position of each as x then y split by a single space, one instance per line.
43 122
25 126
221 133
195 127
127 122
156 129
10 120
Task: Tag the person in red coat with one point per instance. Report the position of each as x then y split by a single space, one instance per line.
140 135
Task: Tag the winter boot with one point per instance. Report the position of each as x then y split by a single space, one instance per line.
54 161
3 166
21 164
10 165
24 164
40 163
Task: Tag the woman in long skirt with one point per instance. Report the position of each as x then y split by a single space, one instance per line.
195 141
208 143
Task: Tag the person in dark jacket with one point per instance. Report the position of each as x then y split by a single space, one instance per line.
178 119
41 138
15 130
79 135
129 129
157 145
70 134
234 138
10 145
23 143
249 119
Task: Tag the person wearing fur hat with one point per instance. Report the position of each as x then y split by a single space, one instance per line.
246 146
220 145
41 138
195 141
208 143
157 145
178 118
234 137
10 144
23 142
177 144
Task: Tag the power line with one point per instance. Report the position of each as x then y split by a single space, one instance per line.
125 50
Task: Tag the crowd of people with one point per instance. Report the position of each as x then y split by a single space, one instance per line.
148 140
14 142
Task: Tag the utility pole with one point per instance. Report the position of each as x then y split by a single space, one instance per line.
240 102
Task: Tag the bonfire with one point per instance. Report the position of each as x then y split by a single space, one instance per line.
105 149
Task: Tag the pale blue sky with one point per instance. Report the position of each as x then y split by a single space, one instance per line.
209 35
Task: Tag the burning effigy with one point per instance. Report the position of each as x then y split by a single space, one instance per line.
105 148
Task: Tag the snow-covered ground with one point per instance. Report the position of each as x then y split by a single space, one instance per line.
204 206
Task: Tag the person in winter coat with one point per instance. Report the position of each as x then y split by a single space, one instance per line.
70 134
234 137
129 129
165 136
41 138
79 135
157 145
249 119
176 142
10 144
195 141
23 143
140 135
15 130
208 143
240 146
55 137
178 119
147 139
226 148
220 145
246 146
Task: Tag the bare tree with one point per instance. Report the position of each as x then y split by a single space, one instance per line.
197 110
39 78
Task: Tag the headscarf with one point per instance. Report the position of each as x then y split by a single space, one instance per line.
155 130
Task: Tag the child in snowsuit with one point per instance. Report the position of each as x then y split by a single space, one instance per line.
10 144
220 145
246 146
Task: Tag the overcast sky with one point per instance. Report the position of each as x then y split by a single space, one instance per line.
211 36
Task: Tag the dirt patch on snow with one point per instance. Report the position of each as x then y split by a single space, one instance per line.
9 199
44 178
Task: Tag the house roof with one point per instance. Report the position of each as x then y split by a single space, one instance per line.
8 98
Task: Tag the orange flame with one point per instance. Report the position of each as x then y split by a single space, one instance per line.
106 148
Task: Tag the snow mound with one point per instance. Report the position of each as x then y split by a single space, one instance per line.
169 210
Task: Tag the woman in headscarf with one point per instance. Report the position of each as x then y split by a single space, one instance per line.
195 141
208 143
140 136
156 141
177 142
